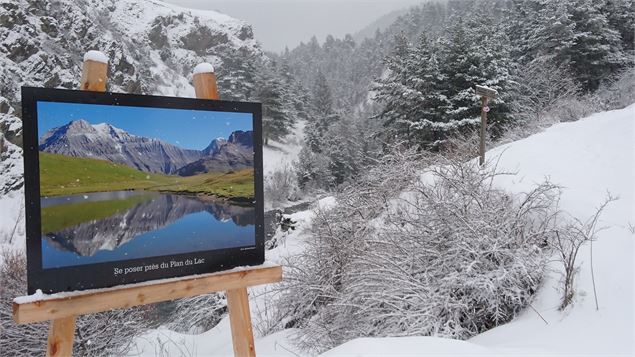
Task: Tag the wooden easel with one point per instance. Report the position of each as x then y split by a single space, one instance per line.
62 311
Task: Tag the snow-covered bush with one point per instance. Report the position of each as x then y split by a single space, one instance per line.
438 251
540 85
618 93
192 315
104 334
17 340
566 244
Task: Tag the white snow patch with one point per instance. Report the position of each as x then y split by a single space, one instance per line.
277 155
406 346
588 158
203 68
96 56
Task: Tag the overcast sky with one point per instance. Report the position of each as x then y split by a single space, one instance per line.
280 23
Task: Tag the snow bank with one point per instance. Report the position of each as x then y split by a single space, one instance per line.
587 158
278 154
406 346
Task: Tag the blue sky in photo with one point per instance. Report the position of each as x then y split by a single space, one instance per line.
189 129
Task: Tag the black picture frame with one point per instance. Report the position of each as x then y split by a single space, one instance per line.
100 275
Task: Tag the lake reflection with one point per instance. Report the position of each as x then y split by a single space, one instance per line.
113 226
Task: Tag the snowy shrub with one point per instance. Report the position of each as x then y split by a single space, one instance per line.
568 240
540 85
194 315
17 340
104 334
281 186
619 93
406 251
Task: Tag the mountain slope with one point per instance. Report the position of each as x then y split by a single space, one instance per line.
106 142
80 139
152 46
222 155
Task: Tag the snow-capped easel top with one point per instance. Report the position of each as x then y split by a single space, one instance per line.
63 308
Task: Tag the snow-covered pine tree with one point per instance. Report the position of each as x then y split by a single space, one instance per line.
277 110
475 52
548 33
298 99
621 17
597 52
390 88
343 148
323 114
237 75
414 94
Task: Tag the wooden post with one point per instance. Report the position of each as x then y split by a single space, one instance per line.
62 330
205 82
485 94
237 299
94 72
240 320
123 297
481 148
60 340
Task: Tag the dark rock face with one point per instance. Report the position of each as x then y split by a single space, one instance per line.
10 125
222 155
244 138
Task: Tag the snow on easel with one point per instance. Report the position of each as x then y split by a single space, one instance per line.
63 308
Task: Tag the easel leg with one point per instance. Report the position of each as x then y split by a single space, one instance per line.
240 320
61 334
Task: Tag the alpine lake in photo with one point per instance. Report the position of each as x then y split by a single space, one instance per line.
119 225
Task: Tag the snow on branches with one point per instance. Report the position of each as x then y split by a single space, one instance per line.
410 251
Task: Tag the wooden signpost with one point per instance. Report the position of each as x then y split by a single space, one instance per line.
485 93
62 309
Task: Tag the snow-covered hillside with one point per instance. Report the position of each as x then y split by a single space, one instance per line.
587 158
152 46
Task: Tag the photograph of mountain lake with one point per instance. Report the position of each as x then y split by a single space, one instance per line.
121 183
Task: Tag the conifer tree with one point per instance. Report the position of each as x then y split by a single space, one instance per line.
597 51
323 114
277 113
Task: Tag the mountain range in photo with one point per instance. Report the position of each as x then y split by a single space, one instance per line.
103 141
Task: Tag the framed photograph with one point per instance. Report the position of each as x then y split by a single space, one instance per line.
124 188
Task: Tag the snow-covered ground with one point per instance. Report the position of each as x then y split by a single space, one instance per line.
588 158
278 154
12 230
